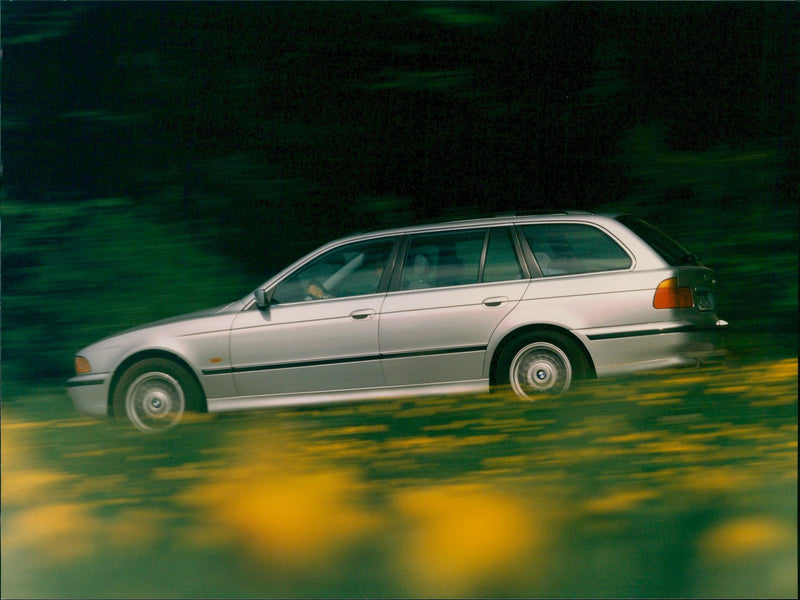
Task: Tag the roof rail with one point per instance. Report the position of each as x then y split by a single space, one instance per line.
536 212
516 213
499 215
531 213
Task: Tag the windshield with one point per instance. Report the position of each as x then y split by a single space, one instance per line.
670 250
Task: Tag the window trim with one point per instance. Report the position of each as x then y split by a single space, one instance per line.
484 252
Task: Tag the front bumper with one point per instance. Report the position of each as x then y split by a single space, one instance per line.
89 394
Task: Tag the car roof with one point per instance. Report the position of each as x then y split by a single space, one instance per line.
507 218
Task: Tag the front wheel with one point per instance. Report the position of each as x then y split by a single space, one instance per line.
541 364
154 394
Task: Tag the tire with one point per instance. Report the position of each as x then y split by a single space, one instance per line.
154 393
542 364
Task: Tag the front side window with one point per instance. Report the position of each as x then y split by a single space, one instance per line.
351 270
568 248
443 259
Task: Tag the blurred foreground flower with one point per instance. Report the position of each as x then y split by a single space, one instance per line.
55 533
46 514
751 556
469 540
282 512
744 537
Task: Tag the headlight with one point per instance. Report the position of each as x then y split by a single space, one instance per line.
82 366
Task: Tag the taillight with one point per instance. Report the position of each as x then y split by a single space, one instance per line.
669 295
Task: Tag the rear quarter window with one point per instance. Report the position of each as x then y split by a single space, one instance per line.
570 248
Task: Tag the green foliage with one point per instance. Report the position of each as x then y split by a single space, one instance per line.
74 272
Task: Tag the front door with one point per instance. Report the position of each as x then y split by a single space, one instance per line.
320 332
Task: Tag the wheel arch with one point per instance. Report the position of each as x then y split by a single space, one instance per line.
143 355
525 330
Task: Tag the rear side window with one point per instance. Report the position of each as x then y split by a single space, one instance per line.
569 248
443 259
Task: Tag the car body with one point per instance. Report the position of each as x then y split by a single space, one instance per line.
530 301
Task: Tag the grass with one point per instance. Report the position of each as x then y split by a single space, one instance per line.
680 484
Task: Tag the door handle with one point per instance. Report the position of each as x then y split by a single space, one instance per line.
496 301
360 315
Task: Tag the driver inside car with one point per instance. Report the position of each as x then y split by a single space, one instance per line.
314 291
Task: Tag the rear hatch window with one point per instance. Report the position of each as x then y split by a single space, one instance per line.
670 250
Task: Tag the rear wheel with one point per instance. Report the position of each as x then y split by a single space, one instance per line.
154 394
541 364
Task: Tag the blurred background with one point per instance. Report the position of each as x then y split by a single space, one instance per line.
159 158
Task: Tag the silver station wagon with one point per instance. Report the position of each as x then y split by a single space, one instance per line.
532 302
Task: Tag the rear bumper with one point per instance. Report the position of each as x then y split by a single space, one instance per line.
675 345
708 345
89 394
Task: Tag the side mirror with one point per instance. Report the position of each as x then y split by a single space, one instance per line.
262 302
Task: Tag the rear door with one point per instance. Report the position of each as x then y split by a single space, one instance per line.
451 292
